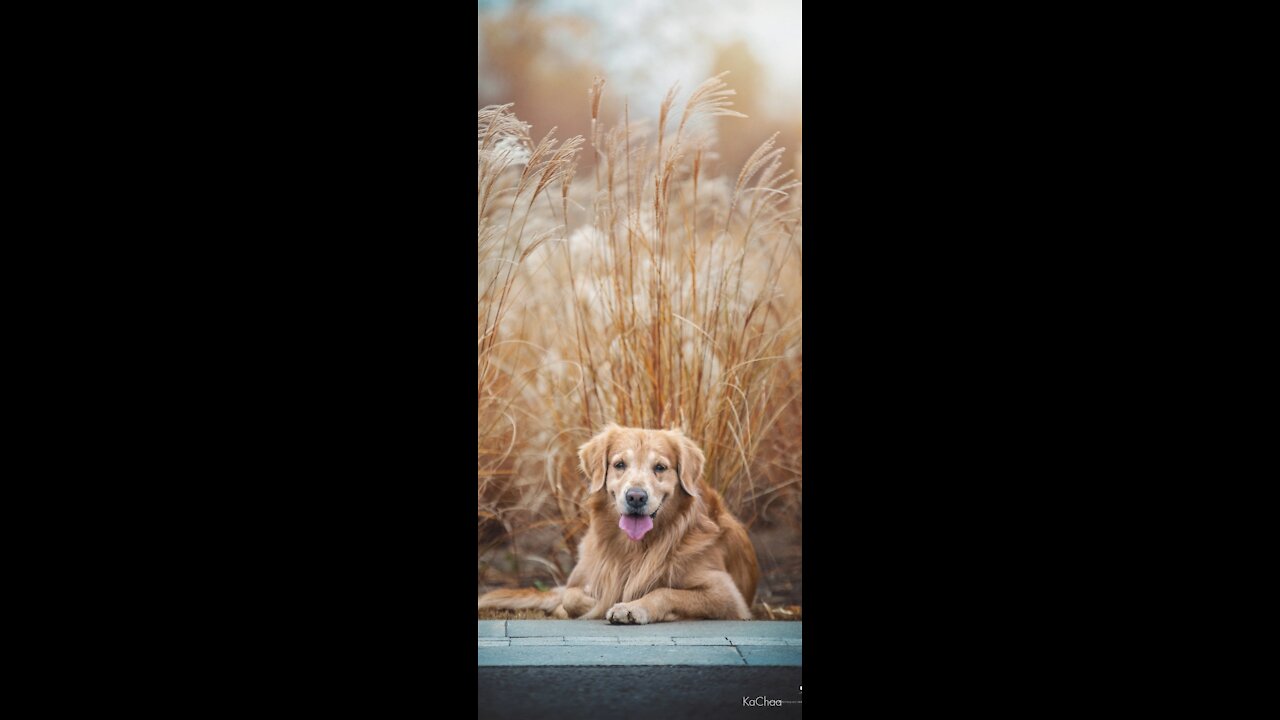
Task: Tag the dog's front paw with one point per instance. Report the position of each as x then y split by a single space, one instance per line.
627 614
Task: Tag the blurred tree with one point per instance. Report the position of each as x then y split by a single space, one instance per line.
526 58
739 137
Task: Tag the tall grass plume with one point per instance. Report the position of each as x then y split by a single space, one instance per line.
659 293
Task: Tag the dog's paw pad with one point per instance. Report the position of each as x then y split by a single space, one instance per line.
624 614
617 614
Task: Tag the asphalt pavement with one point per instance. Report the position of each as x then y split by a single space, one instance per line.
566 669
636 692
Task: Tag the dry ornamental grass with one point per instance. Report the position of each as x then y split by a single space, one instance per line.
657 293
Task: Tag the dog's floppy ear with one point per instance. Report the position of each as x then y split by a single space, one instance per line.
689 466
594 458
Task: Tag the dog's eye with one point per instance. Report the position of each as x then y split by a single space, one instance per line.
620 465
659 468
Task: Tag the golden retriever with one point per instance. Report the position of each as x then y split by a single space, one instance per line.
661 544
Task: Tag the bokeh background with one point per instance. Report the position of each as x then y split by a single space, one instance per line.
542 55
650 280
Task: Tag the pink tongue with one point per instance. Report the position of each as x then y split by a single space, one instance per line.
635 525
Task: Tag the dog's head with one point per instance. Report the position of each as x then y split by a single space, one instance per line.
641 470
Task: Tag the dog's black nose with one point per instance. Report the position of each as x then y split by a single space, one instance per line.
637 498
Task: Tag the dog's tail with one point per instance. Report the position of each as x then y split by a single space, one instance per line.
522 599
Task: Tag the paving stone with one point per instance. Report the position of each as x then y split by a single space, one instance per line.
493 628
700 640
591 640
562 628
537 641
494 642
645 640
740 640
683 628
616 655
771 655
